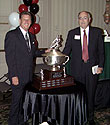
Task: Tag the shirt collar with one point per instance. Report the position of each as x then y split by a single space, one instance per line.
87 29
23 31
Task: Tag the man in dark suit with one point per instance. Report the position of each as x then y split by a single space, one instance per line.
87 58
20 50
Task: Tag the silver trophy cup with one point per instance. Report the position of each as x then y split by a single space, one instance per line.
55 59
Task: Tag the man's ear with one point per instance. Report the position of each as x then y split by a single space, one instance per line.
89 19
19 21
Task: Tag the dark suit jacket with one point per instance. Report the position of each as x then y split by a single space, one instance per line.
95 49
18 58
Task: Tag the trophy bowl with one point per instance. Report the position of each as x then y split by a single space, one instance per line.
55 58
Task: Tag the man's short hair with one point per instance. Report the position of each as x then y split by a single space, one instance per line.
89 14
24 13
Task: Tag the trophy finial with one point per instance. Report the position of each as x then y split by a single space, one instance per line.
56 44
55 58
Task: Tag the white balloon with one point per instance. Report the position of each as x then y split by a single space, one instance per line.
12 28
21 1
14 19
37 18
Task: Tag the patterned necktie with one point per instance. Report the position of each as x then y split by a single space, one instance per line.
85 55
27 42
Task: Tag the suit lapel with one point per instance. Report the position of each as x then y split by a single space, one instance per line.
78 32
21 39
90 38
31 40
20 35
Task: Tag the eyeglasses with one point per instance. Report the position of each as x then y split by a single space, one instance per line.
83 18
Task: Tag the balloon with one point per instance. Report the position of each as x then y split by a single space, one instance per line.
22 8
21 1
12 28
35 28
37 19
31 30
14 19
35 1
27 2
34 8
33 18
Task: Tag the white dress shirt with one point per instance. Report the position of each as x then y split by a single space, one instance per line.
82 33
24 34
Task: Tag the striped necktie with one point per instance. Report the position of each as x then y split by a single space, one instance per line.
85 55
27 42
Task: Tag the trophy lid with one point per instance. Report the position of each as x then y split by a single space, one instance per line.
54 52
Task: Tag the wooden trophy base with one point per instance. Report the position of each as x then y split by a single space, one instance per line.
52 74
51 81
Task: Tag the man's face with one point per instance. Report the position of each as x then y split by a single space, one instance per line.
84 20
25 22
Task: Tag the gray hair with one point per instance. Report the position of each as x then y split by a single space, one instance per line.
89 14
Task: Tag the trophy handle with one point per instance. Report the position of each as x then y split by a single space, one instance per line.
66 60
45 59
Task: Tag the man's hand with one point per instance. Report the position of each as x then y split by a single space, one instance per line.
99 70
48 50
15 81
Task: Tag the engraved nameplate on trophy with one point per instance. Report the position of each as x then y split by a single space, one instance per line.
52 83
52 74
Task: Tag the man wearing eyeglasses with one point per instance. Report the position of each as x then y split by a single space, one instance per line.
86 45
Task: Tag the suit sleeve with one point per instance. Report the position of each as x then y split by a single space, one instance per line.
68 45
38 53
10 46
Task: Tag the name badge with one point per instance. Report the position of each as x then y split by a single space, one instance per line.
77 37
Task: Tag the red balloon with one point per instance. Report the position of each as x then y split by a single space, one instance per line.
35 1
22 8
31 30
35 28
